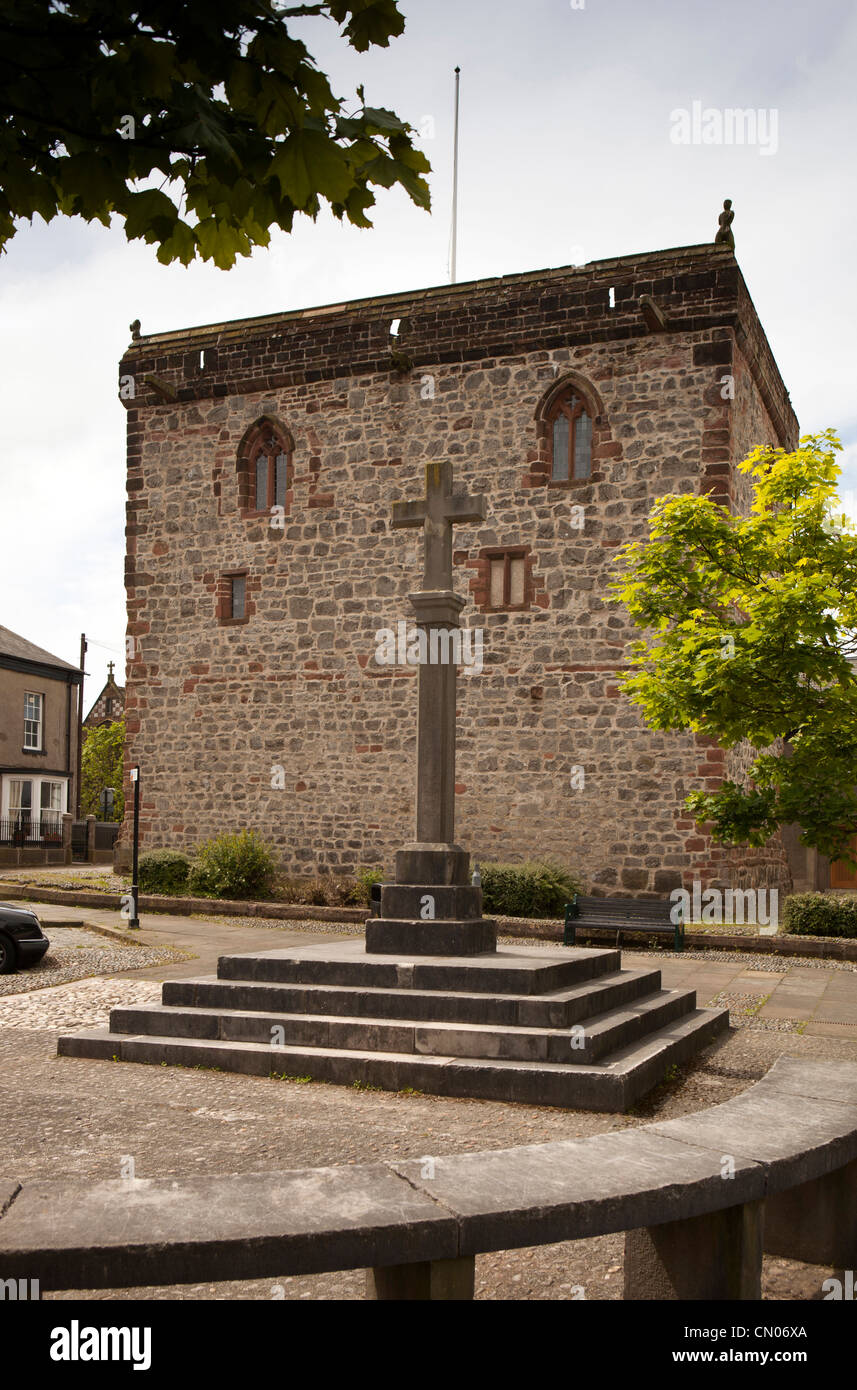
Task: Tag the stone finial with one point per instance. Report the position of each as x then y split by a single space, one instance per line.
724 235
135 328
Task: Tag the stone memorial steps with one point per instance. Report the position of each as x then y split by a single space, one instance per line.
602 1033
522 970
566 1027
559 1009
612 1085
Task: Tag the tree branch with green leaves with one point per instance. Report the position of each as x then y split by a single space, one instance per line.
101 768
750 626
104 103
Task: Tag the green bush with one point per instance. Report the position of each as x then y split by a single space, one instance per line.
527 890
163 871
232 866
820 914
361 889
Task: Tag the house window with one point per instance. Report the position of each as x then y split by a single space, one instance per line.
52 805
108 705
20 803
33 710
237 596
507 575
571 439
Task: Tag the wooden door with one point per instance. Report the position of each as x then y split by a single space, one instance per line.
841 873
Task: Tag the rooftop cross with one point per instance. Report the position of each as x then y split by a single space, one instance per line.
110 666
437 513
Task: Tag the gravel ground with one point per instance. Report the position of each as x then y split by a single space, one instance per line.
744 1011
776 965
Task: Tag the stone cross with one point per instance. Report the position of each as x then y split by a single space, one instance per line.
110 666
434 858
437 513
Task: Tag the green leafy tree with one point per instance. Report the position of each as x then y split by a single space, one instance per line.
751 631
103 102
100 767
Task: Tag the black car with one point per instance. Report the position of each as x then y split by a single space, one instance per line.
22 941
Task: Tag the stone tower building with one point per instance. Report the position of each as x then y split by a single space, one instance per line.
263 459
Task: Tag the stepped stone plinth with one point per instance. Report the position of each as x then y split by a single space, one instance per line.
545 1026
431 919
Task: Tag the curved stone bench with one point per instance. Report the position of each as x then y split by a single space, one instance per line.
701 1197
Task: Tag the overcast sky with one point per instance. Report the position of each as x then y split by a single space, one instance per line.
566 156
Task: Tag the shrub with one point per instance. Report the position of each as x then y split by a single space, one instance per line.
330 892
820 914
359 891
527 890
232 866
163 871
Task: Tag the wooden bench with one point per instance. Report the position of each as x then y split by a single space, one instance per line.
700 1197
651 916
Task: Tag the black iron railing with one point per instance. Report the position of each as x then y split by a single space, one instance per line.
24 831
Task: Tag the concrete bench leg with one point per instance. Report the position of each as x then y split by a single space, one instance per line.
816 1222
431 1279
718 1256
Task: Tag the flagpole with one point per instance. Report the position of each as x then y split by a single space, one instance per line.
455 185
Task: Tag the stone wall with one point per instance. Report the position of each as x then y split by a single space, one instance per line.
284 722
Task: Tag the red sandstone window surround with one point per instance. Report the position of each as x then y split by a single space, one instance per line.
265 469
504 581
233 605
573 436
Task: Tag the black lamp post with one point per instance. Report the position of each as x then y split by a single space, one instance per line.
135 891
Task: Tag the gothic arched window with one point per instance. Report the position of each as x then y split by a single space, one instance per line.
570 436
265 467
269 472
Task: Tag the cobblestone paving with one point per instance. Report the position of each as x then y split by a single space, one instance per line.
76 954
82 1004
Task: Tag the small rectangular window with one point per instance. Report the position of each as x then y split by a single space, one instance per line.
33 721
507 581
238 586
